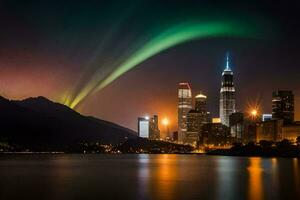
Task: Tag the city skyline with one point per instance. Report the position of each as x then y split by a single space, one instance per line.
186 91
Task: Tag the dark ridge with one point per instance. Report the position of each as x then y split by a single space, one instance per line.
39 124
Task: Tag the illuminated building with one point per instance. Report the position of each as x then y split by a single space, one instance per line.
154 133
201 107
276 130
227 94
249 130
270 130
148 127
236 122
283 106
193 127
143 127
215 134
266 117
195 119
201 103
184 106
208 117
291 132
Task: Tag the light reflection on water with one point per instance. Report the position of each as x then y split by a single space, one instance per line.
148 177
255 179
157 173
226 178
167 175
296 167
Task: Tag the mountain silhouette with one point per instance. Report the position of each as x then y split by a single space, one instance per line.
39 124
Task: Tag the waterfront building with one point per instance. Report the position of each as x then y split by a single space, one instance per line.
196 118
236 122
249 130
275 130
227 94
291 131
270 130
193 127
143 127
215 134
283 106
148 127
154 132
184 106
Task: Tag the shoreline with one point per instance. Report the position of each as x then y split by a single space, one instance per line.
227 154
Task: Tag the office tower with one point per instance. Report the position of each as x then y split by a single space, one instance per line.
201 107
291 131
193 127
148 127
143 127
154 133
236 122
270 130
215 134
227 94
250 126
209 117
196 118
283 106
200 103
184 106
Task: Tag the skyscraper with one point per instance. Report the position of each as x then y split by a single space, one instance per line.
193 127
227 94
200 103
236 122
148 127
283 106
196 118
184 106
154 133
201 107
143 127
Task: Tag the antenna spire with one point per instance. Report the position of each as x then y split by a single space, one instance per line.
227 62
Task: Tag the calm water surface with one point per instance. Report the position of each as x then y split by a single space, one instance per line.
147 177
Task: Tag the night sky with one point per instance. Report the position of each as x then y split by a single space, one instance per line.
58 49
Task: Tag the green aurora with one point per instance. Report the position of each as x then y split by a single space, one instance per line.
165 39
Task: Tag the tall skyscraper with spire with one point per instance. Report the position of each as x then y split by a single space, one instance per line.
227 94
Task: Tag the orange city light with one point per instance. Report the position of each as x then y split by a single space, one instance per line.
165 121
254 112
